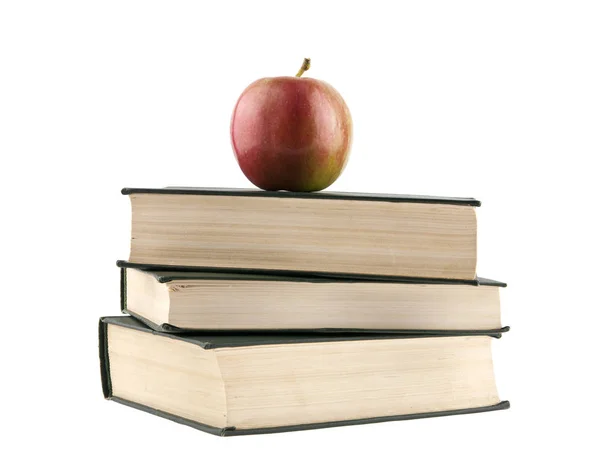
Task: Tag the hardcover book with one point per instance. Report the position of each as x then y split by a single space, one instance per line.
323 233
235 384
176 301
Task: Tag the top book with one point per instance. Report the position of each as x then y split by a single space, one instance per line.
323 233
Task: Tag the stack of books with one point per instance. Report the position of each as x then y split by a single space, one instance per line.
251 311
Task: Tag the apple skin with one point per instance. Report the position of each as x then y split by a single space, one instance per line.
291 133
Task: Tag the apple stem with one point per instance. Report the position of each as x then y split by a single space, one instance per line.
305 66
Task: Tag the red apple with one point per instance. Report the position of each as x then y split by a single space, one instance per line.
291 133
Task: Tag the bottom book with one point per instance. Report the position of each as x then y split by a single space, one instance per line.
236 384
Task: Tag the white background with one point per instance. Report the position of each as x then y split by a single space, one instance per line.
494 100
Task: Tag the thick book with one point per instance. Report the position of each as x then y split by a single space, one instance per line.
236 384
177 301
322 233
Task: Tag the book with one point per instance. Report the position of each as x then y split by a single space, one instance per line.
176 301
236 384
322 233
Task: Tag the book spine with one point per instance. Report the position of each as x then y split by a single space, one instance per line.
123 289
104 362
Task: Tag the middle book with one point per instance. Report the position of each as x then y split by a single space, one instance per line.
177 301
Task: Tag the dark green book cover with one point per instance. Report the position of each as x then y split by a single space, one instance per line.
323 195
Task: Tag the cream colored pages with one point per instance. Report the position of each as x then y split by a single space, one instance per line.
344 236
225 304
311 383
